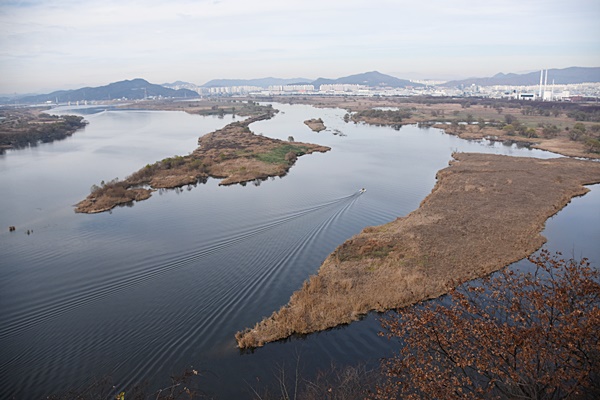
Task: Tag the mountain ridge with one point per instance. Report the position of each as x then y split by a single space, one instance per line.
562 76
134 89
371 79
260 82
140 88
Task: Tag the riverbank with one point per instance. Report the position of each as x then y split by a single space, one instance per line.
205 107
233 154
22 127
485 212
570 129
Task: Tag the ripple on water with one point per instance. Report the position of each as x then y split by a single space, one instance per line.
146 291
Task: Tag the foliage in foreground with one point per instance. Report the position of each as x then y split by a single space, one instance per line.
529 335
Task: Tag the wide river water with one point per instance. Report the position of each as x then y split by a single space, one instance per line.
146 291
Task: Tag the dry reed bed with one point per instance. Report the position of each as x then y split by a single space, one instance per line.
232 153
485 212
421 110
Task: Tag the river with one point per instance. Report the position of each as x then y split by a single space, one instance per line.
146 291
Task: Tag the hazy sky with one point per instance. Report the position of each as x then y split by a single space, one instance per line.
47 45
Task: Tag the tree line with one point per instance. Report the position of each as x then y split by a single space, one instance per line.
44 129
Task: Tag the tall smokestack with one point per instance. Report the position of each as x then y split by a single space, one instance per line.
541 76
546 81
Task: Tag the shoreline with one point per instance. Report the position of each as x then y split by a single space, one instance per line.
233 154
484 213
545 126
25 127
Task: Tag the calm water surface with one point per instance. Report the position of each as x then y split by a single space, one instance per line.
146 291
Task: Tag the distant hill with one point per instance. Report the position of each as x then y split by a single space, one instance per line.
560 76
133 89
177 83
261 82
181 85
372 79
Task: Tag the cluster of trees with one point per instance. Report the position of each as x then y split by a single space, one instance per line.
589 135
530 110
577 111
586 114
532 335
243 109
45 129
249 108
116 188
513 126
386 116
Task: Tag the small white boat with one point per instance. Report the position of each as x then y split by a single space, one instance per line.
361 191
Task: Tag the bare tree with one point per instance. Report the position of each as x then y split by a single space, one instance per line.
532 335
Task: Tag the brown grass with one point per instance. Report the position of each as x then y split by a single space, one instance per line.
485 212
316 124
425 110
233 154
24 126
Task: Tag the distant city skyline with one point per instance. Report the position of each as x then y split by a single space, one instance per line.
66 44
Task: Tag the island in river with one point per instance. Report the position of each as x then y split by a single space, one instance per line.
568 128
316 124
28 126
232 153
485 212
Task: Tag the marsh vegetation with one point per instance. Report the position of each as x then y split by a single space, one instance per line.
233 154
571 129
485 212
22 127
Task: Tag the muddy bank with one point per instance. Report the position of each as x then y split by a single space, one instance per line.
485 212
233 154
316 124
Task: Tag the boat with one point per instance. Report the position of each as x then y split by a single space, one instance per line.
361 191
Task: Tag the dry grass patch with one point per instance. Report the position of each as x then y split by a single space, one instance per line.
485 212
316 124
233 154
493 114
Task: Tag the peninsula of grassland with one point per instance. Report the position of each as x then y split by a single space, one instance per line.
485 212
233 154
22 127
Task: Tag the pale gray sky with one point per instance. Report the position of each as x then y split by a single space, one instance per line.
46 45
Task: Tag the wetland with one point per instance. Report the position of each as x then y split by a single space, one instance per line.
147 290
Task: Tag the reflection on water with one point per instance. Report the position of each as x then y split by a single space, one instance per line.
143 292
